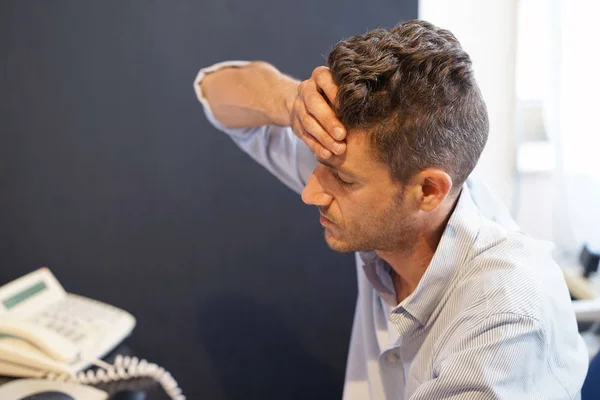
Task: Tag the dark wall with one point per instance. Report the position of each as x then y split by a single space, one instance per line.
111 176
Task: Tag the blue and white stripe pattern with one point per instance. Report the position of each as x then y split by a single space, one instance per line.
490 319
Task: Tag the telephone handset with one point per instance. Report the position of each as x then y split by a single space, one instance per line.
33 388
46 332
51 343
45 329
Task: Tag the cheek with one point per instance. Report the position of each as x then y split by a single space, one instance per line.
367 204
363 215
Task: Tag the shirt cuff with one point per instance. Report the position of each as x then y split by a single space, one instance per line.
213 68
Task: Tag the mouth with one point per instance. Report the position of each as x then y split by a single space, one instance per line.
324 221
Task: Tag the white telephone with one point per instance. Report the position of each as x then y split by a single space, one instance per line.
46 332
44 329
31 388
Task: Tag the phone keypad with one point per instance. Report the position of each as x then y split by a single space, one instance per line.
72 317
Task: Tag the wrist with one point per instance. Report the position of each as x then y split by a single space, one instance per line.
277 92
289 94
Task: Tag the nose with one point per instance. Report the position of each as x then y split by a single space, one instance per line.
314 193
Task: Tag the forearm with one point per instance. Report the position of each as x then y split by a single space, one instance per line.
253 95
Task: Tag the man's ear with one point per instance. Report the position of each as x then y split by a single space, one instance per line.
435 185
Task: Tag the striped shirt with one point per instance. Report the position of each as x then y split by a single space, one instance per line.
491 318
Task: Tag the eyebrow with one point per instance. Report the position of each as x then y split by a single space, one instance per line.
340 169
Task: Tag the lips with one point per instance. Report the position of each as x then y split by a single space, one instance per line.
323 220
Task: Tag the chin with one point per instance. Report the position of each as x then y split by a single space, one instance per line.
338 245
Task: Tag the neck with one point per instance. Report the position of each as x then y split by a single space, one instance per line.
409 264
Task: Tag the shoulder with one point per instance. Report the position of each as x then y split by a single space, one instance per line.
509 275
513 272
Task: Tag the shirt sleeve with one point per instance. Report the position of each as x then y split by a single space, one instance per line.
278 150
502 357
274 147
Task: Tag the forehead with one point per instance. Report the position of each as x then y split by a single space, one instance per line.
360 158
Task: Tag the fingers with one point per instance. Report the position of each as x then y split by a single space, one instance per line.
318 107
324 80
313 127
313 133
310 141
313 118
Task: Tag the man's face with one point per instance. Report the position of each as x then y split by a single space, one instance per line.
361 207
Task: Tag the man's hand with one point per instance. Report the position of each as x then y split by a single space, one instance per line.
312 118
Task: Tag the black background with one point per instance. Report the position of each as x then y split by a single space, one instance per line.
111 176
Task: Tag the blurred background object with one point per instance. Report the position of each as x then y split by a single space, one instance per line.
557 181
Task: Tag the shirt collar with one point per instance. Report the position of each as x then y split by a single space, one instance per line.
456 243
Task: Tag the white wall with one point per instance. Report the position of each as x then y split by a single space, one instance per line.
487 31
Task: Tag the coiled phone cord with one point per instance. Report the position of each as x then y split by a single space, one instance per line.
125 367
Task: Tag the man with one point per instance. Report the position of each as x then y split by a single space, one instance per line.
453 302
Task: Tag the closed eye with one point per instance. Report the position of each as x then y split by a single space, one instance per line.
333 170
340 180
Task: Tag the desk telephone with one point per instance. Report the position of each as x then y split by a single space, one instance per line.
48 333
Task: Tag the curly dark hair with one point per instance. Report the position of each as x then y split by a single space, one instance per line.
412 89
